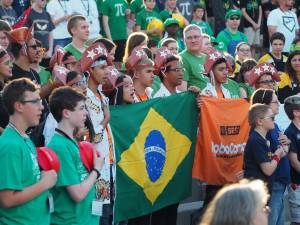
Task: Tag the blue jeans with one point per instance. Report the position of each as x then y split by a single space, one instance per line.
276 203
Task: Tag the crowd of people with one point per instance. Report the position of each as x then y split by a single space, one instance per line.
64 62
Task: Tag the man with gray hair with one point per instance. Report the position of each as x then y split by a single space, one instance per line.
192 57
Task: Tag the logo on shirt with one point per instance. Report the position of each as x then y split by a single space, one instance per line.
289 22
119 8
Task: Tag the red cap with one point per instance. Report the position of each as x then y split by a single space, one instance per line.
262 69
211 60
161 57
20 35
57 57
47 159
112 75
91 54
86 150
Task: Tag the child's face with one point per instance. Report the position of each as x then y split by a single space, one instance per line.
77 117
171 4
199 13
274 104
150 4
99 74
221 73
146 76
268 120
277 46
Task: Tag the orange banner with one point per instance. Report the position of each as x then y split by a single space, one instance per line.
223 133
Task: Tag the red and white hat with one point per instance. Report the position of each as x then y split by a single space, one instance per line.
57 57
86 151
47 159
112 75
91 55
59 74
20 35
260 70
138 58
161 57
211 59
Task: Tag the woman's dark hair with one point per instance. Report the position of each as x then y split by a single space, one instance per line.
169 59
296 39
116 96
263 96
148 52
289 69
246 66
218 61
72 75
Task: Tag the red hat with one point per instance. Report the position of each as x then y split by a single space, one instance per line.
47 159
112 75
57 57
86 150
20 35
90 56
161 57
262 69
137 56
59 74
211 60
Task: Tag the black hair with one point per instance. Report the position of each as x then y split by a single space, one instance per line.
14 92
289 69
15 49
169 59
246 66
263 96
64 98
289 109
277 36
116 96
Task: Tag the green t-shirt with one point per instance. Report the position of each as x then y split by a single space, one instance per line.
137 5
249 90
164 14
194 69
44 75
228 41
205 27
72 172
74 51
144 17
233 87
19 169
115 10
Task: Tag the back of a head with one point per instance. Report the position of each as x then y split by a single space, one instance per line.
236 204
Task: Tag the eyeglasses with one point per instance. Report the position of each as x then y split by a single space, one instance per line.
80 84
234 18
37 101
196 37
266 82
35 47
177 70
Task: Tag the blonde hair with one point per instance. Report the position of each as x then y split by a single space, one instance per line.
257 111
245 198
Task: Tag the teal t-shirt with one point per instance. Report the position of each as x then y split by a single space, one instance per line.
19 170
205 27
115 10
194 69
72 172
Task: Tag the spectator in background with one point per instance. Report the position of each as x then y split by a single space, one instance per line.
88 9
171 45
78 28
42 24
193 58
20 6
4 27
285 21
60 11
243 52
252 12
230 37
249 197
170 8
275 57
199 19
219 9
172 31
115 14
7 12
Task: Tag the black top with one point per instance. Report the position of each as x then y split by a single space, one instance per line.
293 133
20 73
257 151
252 9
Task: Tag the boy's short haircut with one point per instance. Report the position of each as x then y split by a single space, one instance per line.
14 92
257 111
291 104
72 22
64 98
191 27
277 36
4 26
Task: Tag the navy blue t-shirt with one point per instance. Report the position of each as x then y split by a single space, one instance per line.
257 151
282 172
293 133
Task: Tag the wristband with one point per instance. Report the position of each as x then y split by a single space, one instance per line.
276 158
97 171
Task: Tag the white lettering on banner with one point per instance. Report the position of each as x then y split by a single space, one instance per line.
185 8
232 149
119 7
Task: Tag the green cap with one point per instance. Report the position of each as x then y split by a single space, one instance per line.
233 12
170 21
295 47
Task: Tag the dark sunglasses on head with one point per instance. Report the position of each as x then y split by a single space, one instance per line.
234 18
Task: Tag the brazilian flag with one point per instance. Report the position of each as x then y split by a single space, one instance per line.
154 151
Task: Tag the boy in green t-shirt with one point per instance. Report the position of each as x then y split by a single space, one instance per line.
23 188
198 14
74 193
78 28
